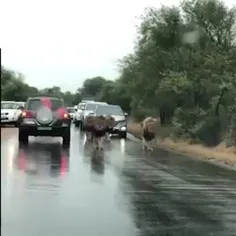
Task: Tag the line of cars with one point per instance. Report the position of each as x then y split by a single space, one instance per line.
85 108
10 112
44 115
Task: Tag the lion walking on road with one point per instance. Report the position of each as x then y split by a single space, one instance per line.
149 127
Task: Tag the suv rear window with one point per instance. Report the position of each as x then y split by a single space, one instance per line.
35 103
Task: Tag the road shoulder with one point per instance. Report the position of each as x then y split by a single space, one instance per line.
219 155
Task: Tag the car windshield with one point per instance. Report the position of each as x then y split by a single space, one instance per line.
82 106
19 104
109 110
8 105
71 110
35 104
91 106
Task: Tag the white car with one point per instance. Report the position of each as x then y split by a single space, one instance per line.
9 113
77 116
71 111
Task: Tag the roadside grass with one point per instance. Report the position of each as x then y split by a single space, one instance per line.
220 152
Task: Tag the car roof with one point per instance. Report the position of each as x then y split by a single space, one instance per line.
49 96
8 102
97 103
109 105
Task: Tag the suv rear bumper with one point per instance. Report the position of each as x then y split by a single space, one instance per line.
44 131
7 122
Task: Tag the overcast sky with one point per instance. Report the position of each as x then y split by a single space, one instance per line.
63 42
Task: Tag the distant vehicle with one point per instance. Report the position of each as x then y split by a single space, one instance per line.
9 113
120 118
77 116
71 111
88 108
20 107
44 116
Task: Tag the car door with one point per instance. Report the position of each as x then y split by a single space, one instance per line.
79 111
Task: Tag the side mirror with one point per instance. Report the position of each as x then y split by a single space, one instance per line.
126 114
76 109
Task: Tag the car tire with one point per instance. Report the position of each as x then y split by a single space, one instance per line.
23 137
123 135
66 138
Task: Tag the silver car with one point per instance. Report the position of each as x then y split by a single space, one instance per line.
120 118
88 109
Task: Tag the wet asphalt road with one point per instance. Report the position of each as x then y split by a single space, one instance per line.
51 191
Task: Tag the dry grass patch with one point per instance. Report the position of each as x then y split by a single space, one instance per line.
221 152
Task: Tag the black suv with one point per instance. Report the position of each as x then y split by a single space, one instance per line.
44 116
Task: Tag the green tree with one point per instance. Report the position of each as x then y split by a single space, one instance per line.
91 87
183 68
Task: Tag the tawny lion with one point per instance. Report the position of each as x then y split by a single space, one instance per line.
110 125
148 126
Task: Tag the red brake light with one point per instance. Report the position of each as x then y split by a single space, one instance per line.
27 114
22 161
62 113
66 115
64 164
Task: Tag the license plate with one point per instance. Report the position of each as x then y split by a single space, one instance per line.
44 128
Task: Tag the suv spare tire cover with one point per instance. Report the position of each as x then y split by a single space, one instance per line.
44 115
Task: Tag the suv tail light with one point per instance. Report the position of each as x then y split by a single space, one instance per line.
62 113
27 114
66 115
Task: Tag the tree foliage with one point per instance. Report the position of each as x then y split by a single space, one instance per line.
14 88
183 66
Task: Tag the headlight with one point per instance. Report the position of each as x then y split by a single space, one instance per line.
123 128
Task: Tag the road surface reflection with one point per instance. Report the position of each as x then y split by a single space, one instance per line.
48 190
